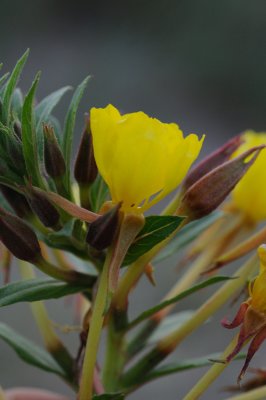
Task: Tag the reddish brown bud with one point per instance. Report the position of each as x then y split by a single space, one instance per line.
215 159
43 208
206 194
53 157
102 231
85 170
16 200
18 237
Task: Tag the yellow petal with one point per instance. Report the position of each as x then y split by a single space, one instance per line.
249 196
140 158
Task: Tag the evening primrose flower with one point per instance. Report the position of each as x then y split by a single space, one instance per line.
251 316
140 158
249 196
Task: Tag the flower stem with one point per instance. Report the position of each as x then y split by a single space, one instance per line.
2 395
135 271
115 351
130 226
51 340
170 342
256 394
64 275
211 374
86 384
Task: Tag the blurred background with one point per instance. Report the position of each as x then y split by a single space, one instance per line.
200 63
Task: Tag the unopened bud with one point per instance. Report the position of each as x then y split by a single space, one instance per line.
17 129
207 193
53 157
101 232
43 208
16 200
218 157
85 170
18 237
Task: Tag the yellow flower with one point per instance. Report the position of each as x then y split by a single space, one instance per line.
251 316
249 196
140 158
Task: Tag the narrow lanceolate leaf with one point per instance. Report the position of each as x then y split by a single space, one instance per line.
187 235
10 87
43 111
28 351
35 290
155 230
4 78
98 194
109 396
29 138
46 106
69 127
173 368
188 292
169 325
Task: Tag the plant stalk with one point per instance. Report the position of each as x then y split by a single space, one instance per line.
212 374
170 342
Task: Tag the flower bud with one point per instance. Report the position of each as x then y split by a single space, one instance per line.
53 157
206 194
43 208
16 200
102 231
85 170
218 157
18 237
17 129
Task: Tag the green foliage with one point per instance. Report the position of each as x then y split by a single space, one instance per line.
29 352
10 87
34 290
189 233
186 293
193 363
156 229
43 113
98 193
69 128
30 143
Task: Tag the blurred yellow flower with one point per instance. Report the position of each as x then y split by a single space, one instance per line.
249 196
251 316
140 158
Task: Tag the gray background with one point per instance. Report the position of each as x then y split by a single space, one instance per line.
200 63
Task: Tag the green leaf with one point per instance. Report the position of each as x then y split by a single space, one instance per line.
46 106
169 325
29 352
180 296
3 79
17 103
43 111
155 230
98 194
186 365
187 235
69 127
10 87
35 289
29 138
109 396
